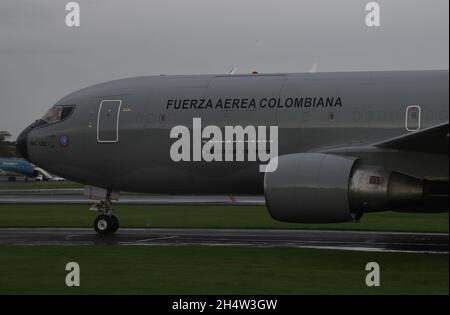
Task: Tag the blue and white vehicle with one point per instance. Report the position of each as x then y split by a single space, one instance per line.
17 167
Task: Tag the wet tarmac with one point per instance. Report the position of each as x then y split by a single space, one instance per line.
436 243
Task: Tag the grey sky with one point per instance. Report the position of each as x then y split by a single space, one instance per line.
41 59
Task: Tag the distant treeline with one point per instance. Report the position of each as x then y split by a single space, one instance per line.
7 148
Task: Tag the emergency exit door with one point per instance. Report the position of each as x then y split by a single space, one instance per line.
108 121
413 116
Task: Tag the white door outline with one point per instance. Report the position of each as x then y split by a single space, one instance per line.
117 122
407 120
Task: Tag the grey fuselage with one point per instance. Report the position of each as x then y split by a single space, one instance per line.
314 113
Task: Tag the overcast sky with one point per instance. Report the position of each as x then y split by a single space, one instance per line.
41 59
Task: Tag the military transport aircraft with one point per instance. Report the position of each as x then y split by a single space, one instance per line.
321 147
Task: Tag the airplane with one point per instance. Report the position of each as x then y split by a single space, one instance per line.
321 147
16 167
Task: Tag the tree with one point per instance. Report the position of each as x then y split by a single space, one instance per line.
4 145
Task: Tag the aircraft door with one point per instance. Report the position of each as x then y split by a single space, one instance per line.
108 121
413 116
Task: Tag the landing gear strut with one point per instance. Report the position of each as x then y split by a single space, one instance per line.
105 223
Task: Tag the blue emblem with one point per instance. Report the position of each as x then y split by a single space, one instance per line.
64 141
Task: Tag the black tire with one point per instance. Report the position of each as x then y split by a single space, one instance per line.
103 224
115 223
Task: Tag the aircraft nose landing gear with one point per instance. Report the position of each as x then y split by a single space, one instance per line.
105 223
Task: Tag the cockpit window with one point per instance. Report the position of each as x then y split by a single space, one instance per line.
58 113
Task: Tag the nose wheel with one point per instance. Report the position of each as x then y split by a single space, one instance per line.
105 223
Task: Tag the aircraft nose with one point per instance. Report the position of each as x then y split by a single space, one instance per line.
21 144
22 140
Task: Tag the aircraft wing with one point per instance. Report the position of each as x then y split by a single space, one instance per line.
430 140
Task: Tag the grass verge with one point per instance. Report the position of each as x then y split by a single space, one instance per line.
206 217
216 270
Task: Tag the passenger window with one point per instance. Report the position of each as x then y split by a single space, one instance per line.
331 116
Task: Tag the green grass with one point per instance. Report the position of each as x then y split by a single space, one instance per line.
206 217
38 185
216 270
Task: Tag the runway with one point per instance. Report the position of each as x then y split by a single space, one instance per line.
436 243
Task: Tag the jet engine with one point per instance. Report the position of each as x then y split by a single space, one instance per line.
326 188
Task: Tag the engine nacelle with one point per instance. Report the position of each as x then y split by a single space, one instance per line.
325 188
310 188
